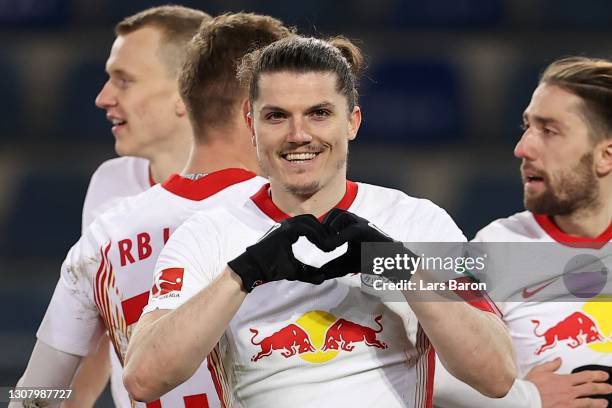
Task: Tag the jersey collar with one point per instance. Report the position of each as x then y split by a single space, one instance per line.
548 225
206 186
264 202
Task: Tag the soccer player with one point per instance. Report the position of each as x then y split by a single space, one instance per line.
141 99
566 153
106 277
274 338
152 132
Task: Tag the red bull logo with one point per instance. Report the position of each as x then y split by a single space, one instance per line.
577 329
344 333
317 337
291 339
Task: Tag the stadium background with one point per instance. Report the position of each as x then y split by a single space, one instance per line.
442 97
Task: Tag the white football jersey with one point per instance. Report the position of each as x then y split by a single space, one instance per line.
580 333
107 275
309 345
113 180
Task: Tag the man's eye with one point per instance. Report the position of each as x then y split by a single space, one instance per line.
320 113
524 126
275 116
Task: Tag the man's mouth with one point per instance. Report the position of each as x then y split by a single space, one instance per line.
299 157
118 122
531 179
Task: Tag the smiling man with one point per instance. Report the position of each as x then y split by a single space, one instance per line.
280 332
566 169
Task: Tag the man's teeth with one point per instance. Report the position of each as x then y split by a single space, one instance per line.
300 156
118 122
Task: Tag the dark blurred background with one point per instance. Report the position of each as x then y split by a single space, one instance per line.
442 100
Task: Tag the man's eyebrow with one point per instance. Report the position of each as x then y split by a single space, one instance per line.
272 108
543 120
322 105
118 71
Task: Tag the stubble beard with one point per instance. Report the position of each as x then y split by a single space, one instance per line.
568 191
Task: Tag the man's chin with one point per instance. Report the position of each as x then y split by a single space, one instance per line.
123 150
303 189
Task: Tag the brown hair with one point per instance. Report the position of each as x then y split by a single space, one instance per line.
591 80
208 82
178 25
300 54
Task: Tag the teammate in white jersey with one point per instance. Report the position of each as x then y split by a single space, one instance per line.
566 152
109 272
142 101
149 49
287 342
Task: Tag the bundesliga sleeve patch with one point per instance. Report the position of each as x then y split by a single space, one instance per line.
169 280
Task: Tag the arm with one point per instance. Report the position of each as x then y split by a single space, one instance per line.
449 392
49 368
91 377
180 339
473 345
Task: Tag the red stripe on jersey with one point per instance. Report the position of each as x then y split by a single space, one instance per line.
204 187
216 372
196 401
549 226
132 307
477 298
431 370
264 202
425 366
154 404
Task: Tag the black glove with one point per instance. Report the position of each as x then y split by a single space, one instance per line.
272 259
350 228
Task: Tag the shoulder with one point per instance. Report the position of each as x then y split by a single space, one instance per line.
118 166
114 179
519 226
413 219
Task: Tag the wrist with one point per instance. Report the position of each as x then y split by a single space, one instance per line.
243 269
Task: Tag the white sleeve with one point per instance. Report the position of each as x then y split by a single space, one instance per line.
48 368
449 392
430 223
72 323
93 199
189 262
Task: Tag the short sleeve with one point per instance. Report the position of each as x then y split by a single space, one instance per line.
189 262
437 225
72 323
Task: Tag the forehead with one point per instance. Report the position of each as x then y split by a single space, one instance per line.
554 102
139 47
294 89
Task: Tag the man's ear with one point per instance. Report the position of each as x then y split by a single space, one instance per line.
603 157
180 109
354 122
248 117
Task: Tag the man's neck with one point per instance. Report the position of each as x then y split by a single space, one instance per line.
170 160
316 204
588 223
215 156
